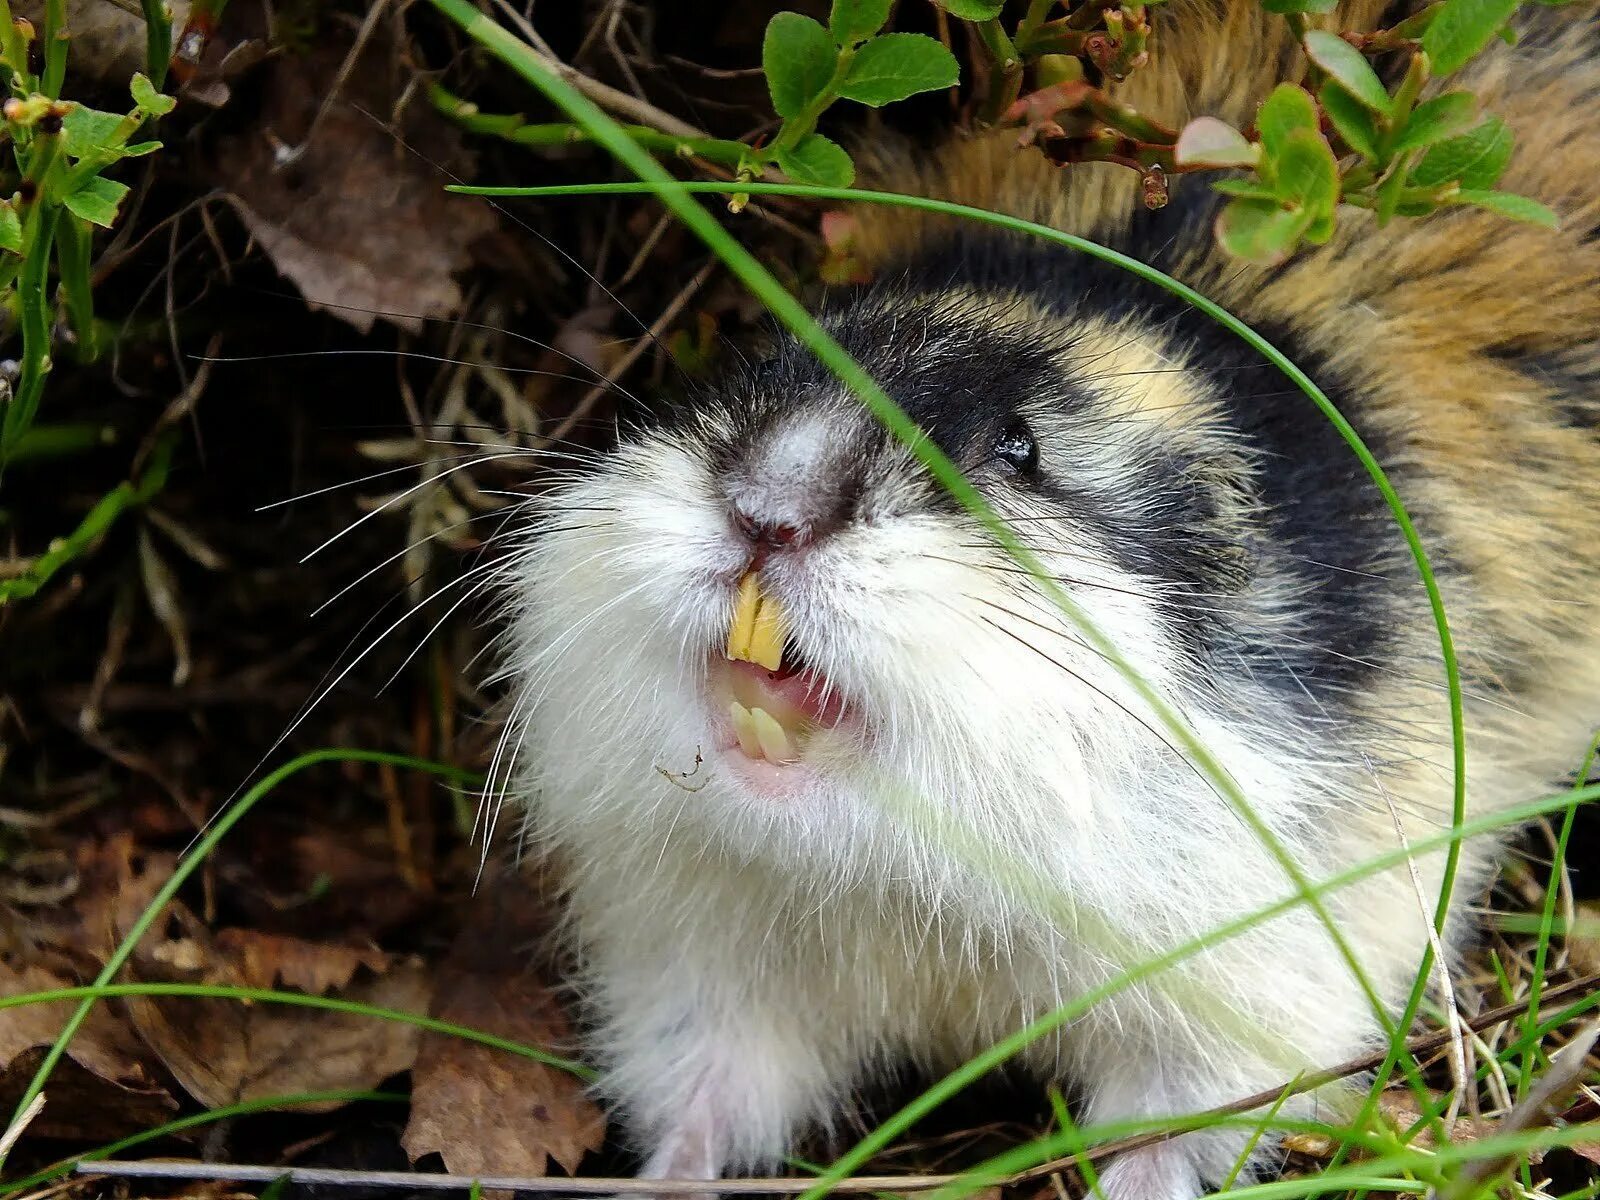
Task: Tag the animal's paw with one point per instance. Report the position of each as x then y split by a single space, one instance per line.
1162 1171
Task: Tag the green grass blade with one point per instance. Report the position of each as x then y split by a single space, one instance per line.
208 991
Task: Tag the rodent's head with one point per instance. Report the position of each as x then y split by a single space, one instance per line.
925 683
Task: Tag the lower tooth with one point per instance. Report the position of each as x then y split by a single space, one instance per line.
774 739
744 728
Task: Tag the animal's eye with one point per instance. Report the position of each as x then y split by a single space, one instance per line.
1017 447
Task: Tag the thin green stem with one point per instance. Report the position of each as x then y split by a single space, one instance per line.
1038 12
157 41
221 824
1548 916
73 248
60 441
513 127
32 293
14 50
794 128
106 512
55 47
1005 69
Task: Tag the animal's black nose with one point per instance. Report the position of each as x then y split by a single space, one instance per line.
767 536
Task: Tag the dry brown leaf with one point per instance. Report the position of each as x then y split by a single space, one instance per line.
1312 1145
1583 944
1400 1106
108 42
224 1052
361 225
267 960
103 1088
485 1111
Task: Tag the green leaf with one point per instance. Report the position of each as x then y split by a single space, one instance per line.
87 131
1388 197
1260 231
1461 30
1321 229
898 65
1307 173
1349 68
1287 109
817 160
1434 120
1352 119
1250 188
1209 142
1507 204
139 149
10 228
972 10
1415 207
852 21
798 57
1476 159
96 200
147 98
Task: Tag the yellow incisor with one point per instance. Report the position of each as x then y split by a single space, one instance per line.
757 632
760 735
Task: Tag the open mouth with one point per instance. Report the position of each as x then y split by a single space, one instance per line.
775 701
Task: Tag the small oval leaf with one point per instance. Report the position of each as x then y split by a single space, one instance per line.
146 97
972 10
96 200
898 65
852 21
1349 68
1287 109
1434 120
1462 29
87 131
10 228
1259 231
1352 120
1476 159
817 160
1508 204
1254 189
1307 173
1208 142
798 57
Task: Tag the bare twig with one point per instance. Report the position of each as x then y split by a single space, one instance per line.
9 1138
1441 965
604 95
544 1183
632 107
621 366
